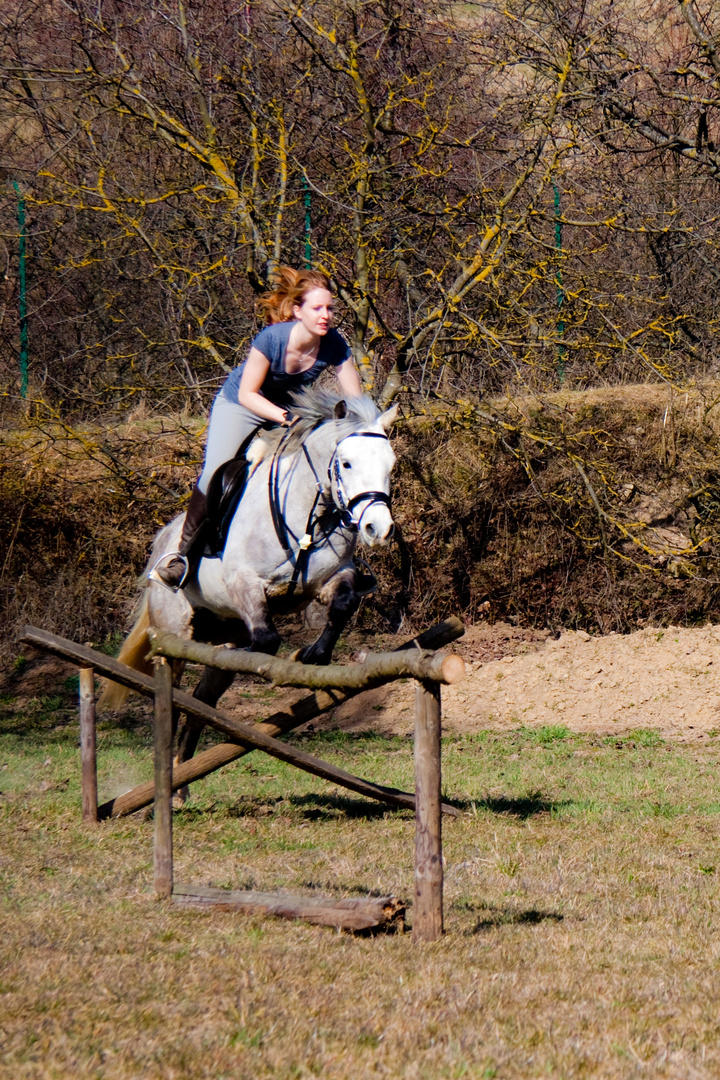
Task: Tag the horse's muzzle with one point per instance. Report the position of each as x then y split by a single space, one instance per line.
377 533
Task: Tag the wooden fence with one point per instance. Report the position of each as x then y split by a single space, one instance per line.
331 685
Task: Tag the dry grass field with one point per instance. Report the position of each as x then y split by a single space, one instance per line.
582 912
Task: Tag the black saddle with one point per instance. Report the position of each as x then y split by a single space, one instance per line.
224 495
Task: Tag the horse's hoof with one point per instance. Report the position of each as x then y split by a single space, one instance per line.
180 797
307 656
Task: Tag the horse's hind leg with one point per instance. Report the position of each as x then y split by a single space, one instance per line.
209 690
339 592
178 667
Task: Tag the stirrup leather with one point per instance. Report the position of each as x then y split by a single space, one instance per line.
153 574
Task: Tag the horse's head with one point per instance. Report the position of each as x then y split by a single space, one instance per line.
360 476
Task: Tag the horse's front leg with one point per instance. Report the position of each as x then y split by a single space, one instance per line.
247 594
342 598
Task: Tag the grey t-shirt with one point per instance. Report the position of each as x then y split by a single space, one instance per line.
279 385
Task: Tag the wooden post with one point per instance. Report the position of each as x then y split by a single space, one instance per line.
163 778
428 905
88 754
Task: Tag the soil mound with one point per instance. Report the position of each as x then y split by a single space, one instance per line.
662 679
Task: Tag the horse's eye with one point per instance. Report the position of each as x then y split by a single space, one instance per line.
346 465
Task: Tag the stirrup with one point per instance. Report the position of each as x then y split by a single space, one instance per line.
154 575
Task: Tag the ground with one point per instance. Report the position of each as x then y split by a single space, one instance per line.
582 883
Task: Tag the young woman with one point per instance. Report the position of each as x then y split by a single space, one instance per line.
296 346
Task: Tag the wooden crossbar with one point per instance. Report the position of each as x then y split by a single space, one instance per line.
376 669
244 737
429 669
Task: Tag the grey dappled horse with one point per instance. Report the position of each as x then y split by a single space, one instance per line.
313 490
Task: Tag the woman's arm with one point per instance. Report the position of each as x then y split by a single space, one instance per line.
253 376
349 379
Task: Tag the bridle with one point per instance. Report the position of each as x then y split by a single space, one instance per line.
344 506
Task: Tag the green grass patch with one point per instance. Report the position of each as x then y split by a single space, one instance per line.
547 734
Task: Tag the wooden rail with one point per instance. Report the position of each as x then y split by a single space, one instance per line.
244 737
163 777
88 748
427 906
430 669
279 723
376 669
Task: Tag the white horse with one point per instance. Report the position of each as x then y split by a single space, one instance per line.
312 492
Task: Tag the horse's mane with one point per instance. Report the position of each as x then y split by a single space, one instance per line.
314 407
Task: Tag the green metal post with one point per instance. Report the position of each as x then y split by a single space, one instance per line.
23 296
558 282
308 245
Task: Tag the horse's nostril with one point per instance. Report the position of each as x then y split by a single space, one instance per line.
391 531
370 529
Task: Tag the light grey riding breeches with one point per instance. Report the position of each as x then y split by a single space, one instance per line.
229 426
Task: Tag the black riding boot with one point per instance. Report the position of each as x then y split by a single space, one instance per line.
173 568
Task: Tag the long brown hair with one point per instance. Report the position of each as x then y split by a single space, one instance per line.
291 288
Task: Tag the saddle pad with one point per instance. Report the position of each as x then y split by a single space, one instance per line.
225 492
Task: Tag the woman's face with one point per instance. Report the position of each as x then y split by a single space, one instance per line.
316 311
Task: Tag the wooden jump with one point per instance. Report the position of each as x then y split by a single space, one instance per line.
333 684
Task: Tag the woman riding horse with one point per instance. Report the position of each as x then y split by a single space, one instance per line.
293 350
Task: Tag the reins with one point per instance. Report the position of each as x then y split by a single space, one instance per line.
344 506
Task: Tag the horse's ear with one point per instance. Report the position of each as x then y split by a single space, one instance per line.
388 418
340 410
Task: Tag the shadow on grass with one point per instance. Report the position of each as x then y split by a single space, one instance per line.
53 716
35 718
522 807
531 917
337 739
308 807
314 807
330 806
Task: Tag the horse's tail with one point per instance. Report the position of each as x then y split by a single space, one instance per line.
133 654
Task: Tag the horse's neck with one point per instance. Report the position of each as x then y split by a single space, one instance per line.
320 446
299 473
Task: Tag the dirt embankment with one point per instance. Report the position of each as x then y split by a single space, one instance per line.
665 680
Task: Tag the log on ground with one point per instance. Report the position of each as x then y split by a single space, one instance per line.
366 913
